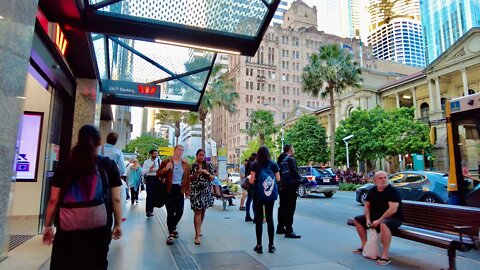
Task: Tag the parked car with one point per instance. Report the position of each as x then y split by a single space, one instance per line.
317 180
422 186
234 178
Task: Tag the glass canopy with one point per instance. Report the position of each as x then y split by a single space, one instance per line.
135 72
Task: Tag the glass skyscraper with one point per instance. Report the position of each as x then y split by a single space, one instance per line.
397 35
445 21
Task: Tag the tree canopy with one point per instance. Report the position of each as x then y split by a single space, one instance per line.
330 70
379 134
309 139
254 144
143 144
261 125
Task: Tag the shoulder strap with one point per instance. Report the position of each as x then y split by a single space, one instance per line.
102 151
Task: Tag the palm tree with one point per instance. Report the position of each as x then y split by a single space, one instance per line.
331 70
219 92
173 119
261 125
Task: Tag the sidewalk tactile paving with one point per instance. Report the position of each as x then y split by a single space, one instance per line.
227 260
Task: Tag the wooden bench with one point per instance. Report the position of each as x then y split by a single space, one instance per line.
217 193
445 226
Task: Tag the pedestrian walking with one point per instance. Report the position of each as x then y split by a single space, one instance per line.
264 177
248 204
243 178
201 177
82 206
175 172
134 177
149 170
288 191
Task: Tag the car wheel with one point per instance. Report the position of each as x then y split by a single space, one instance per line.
328 194
363 196
430 199
301 191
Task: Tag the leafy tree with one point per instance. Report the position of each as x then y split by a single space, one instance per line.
309 139
219 92
254 144
367 141
174 118
261 125
330 71
404 134
143 144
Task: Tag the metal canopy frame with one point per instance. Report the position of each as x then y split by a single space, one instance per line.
245 39
125 70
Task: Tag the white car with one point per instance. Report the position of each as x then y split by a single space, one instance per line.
234 178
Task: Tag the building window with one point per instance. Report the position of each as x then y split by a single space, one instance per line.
424 112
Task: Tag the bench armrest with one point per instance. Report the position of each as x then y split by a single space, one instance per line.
469 231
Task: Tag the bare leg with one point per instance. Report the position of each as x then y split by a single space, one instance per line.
197 221
362 233
386 238
242 199
202 218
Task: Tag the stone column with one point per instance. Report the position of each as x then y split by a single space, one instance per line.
438 102
465 81
87 106
16 32
431 97
397 100
414 98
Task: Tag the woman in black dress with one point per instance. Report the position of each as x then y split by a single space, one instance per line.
201 177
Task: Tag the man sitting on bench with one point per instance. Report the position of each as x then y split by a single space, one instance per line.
383 211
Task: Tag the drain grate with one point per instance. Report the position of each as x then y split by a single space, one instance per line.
18 239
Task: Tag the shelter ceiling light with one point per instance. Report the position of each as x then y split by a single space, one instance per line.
196 47
162 109
407 97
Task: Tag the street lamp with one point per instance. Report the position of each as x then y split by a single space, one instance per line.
283 121
345 140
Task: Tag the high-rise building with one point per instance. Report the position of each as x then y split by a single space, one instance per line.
343 18
278 16
445 21
396 32
271 80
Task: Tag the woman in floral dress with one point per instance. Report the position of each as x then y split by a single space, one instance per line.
201 177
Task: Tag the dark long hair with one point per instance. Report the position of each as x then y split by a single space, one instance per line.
84 154
204 164
263 156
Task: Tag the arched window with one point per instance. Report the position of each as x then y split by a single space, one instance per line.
442 102
471 91
424 112
349 111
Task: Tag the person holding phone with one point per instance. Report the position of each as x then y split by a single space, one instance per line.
175 172
201 177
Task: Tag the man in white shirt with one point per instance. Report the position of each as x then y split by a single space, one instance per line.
149 170
113 152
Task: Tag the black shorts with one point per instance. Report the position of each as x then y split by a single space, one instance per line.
392 223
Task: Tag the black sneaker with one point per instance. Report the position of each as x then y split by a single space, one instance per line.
258 249
271 249
280 230
170 240
292 235
149 214
248 219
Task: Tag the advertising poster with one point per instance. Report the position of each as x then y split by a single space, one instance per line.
27 156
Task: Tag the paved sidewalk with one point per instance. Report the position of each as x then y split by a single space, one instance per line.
228 242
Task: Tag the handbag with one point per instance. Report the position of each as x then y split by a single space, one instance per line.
159 190
246 184
371 250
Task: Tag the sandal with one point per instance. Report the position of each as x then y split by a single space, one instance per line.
197 241
170 240
175 234
358 251
383 261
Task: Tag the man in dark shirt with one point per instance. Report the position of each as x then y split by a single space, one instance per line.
288 192
383 211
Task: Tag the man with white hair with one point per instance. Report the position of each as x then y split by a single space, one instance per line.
383 211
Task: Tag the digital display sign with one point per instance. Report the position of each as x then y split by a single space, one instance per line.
29 146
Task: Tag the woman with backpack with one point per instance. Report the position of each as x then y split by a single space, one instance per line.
264 177
85 193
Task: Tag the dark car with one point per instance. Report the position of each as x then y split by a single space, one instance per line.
423 186
317 180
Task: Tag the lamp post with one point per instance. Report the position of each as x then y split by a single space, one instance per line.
345 140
